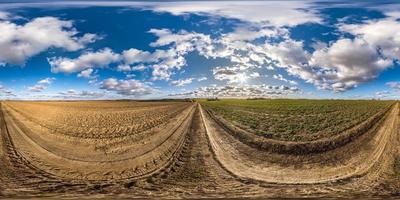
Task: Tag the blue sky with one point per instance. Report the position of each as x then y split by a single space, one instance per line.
143 50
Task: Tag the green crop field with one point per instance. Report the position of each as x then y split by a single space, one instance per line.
296 120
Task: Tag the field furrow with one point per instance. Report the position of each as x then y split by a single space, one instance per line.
192 153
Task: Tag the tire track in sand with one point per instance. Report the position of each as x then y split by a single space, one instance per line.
117 169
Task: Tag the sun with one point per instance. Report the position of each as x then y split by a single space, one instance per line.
241 78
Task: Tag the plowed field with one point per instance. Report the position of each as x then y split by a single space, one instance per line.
233 148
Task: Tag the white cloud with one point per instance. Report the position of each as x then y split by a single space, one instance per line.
182 82
164 69
272 12
202 79
394 85
82 94
338 66
254 75
46 81
41 85
241 91
347 63
4 15
248 33
383 34
124 68
101 58
281 78
37 88
129 87
20 42
162 62
5 92
382 94
132 56
87 73
341 66
183 41
140 67
165 62
287 53
232 75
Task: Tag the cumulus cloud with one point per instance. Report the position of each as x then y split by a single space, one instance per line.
394 85
82 94
20 42
281 78
202 79
101 58
287 53
129 87
271 12
87 73
46 81
230 74
182 82
182 43
132 56
254 75
162 62
347 63
124 68
340 66
5 15
241 91
5 92
250 33
382 94
41 85
183 40
234 75
378 35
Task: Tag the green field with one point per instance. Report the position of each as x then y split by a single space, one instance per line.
296 120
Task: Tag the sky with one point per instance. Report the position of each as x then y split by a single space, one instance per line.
179 49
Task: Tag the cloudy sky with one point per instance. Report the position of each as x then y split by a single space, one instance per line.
142 50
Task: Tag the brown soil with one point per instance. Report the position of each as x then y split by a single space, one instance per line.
184 155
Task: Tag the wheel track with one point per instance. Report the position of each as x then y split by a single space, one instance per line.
18 173
148 167
22 175
198 174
